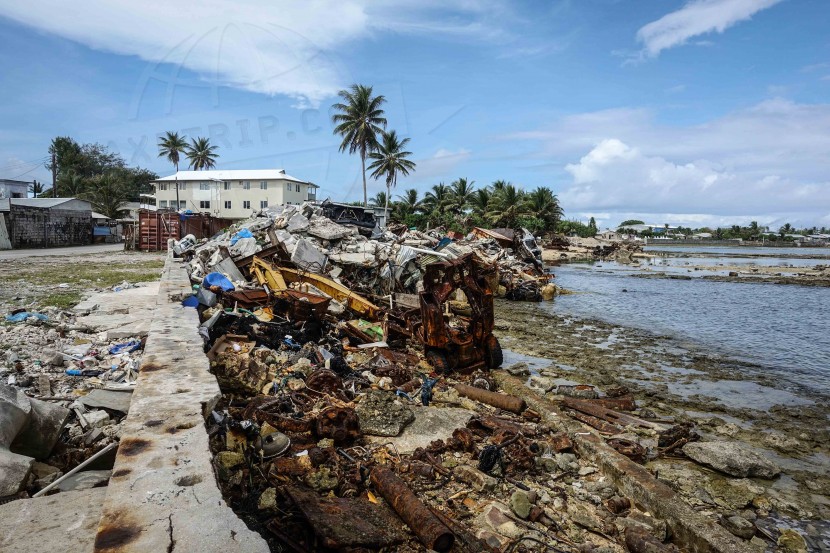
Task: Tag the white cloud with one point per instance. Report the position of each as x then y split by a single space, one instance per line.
287 48
768 161
697 17
440 164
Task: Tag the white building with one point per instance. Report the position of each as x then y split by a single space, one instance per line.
234 194
13 188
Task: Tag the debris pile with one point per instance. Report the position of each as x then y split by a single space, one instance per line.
64 391
358 411
359 255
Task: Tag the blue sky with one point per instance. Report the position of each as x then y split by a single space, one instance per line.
692 112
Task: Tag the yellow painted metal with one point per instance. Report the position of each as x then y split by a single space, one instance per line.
278 278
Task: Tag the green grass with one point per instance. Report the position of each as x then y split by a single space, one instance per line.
61 300
92 275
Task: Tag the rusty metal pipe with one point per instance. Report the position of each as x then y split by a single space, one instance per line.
502 401
430 530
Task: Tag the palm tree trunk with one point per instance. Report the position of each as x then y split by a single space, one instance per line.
177 187
386 207
363 165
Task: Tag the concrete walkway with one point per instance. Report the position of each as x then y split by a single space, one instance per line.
74 250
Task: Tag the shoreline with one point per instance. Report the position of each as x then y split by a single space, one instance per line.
724 397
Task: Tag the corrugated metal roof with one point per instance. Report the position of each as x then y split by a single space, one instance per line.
46 202
233 174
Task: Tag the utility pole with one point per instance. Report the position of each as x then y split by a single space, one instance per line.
54 175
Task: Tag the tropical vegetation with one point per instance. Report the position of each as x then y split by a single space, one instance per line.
92 172
460 206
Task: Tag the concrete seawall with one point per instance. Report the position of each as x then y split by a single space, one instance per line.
163 494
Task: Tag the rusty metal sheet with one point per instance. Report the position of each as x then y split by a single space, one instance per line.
341 522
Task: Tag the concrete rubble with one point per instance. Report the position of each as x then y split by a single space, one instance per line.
67 380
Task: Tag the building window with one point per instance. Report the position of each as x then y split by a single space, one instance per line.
182 186
227 185
298 188
203 204
227 204
204 186
263 204
263 185
246 204
162 186
246 185
182 204
162 203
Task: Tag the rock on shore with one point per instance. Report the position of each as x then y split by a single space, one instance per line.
732 458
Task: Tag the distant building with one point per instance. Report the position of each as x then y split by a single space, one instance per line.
232 194
639 229
702 236
13 188
44 222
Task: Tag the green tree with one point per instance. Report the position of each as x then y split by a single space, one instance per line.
108 193
201 154
461 192
390 160
172 146
379 199
70 184
359 121
544 205
507 206
480 203
435 203
630 222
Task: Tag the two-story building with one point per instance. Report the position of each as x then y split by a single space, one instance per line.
231 194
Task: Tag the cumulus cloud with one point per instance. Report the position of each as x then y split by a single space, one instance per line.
287 48
697 17
770 159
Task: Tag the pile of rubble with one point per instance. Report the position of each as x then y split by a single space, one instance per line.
64 391
379 264
358 410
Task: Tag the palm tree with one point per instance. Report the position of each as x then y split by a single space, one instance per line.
379 199
461 192
435 202
70 184
545 205
507 205
107 193
786 229
499 185
201 154
36 188
480 202
172 145
359 122
389 160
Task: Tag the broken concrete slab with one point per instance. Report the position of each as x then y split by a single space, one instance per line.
14 471
15 410
431 423
85 480
325 228
732 458
41 433
59 522
307 257
114 400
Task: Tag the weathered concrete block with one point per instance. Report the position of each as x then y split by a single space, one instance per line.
39 436
14 470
